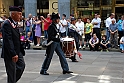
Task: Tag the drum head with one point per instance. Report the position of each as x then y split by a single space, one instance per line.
67 39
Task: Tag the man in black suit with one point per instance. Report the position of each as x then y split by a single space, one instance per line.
12 51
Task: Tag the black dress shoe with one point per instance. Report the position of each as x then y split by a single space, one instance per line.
74 61
44 73
67 72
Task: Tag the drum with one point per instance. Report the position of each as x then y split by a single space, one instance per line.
0 35
68 47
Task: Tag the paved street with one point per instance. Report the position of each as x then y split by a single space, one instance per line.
95 67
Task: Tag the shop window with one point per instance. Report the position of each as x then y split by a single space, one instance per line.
43 4
119 1
82 3
88 3
106 2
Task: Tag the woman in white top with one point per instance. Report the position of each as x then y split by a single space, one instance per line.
80 25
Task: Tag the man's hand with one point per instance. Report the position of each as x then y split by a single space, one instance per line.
105 45
42 17
95 23
112 32
90 33
15 58
115 31
92 45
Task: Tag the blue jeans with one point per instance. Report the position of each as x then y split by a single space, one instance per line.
108 34
122 46
55 46
45 34
27 29
66 31
103 47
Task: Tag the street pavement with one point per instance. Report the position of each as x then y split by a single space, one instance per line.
95 67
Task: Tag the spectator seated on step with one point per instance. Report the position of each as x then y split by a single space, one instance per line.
104 43
28 40
94 43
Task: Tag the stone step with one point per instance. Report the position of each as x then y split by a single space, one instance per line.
110 49
86 49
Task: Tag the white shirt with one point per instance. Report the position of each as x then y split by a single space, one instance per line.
80 27
58 26
109 21
122 39
98 20
15 22
31 21
63 29
123 24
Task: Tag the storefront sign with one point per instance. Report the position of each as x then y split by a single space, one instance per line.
54 5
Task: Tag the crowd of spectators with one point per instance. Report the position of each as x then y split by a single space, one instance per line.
31 29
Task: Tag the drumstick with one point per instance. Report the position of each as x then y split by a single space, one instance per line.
79 54
75 50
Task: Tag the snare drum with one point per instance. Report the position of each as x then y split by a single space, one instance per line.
68 47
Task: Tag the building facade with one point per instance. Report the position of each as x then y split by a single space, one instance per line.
83 8
87 8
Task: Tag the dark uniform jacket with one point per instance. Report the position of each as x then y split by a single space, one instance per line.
52 32
11 41
73 33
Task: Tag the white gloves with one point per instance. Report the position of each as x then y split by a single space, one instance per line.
61 39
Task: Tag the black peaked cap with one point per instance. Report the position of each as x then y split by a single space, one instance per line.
15 8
